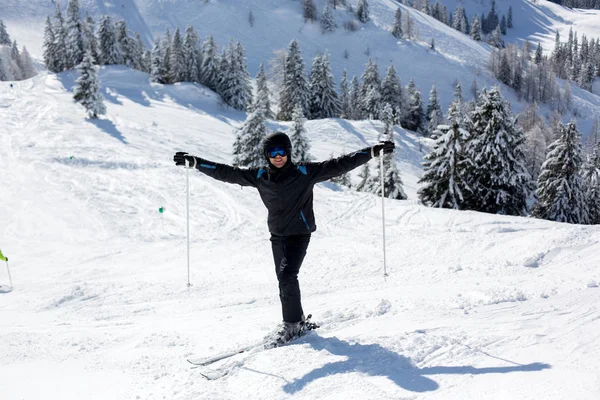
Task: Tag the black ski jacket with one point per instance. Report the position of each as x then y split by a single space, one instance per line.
287 192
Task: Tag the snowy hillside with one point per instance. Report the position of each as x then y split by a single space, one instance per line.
457 58
475 306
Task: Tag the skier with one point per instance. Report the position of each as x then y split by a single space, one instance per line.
286 189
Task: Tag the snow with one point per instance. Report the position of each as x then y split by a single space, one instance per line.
475 305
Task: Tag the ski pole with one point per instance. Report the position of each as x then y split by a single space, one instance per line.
385 274
187 206
8 270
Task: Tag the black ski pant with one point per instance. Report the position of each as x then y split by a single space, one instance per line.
288 253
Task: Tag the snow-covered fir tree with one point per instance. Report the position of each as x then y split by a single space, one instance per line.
298 137
434 113
498 176
192 56
110 53
393 185
125 43
324 101
25 62
364 179
495 38
75 40
345 96
50 47
60 33
362 11
327 21
591 176
310 11
89 36
210 66
444 177
370 91
262 92
355 100
509 21
295 89
87 90
237 91
397 27
247 148
166 56
387 117
392 94
561 189
414 117
4 36
475 29
177 61
158 73
459 20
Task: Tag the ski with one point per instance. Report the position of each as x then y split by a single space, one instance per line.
265 344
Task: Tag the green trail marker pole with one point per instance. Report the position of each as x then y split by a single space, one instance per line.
3 258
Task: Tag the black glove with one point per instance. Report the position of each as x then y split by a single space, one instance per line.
387 147
180 158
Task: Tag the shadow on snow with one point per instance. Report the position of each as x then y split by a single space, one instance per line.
375 360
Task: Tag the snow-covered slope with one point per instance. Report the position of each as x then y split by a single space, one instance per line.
475 306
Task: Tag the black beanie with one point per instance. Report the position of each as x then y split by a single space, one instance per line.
275 139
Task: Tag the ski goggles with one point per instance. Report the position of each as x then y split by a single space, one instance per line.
275 151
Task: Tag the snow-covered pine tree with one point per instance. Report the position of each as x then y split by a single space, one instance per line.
191 55
459 20
397 27
247 148
498 176
157 70
561 189
87 90
210 67
370 91
262 92
177 62
365 178
535 139
414 117
49 46
107 41
314 84
166 54
345 96
391 93
26 63
224 70
60 33
475 29
355 100
300 143
425 7
237 89
503 25
327 22
509 21
362 11
444 177
89 36
295 89
393 185
4 36
538 54
126 44
434 114
310 11
325 102
387 117
75 40
495 38
137 54
591 176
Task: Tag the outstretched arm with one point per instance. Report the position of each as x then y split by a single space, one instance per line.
338 166
221 172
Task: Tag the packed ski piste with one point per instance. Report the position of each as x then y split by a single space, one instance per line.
315 199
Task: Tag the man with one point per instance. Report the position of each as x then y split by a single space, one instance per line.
286 189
